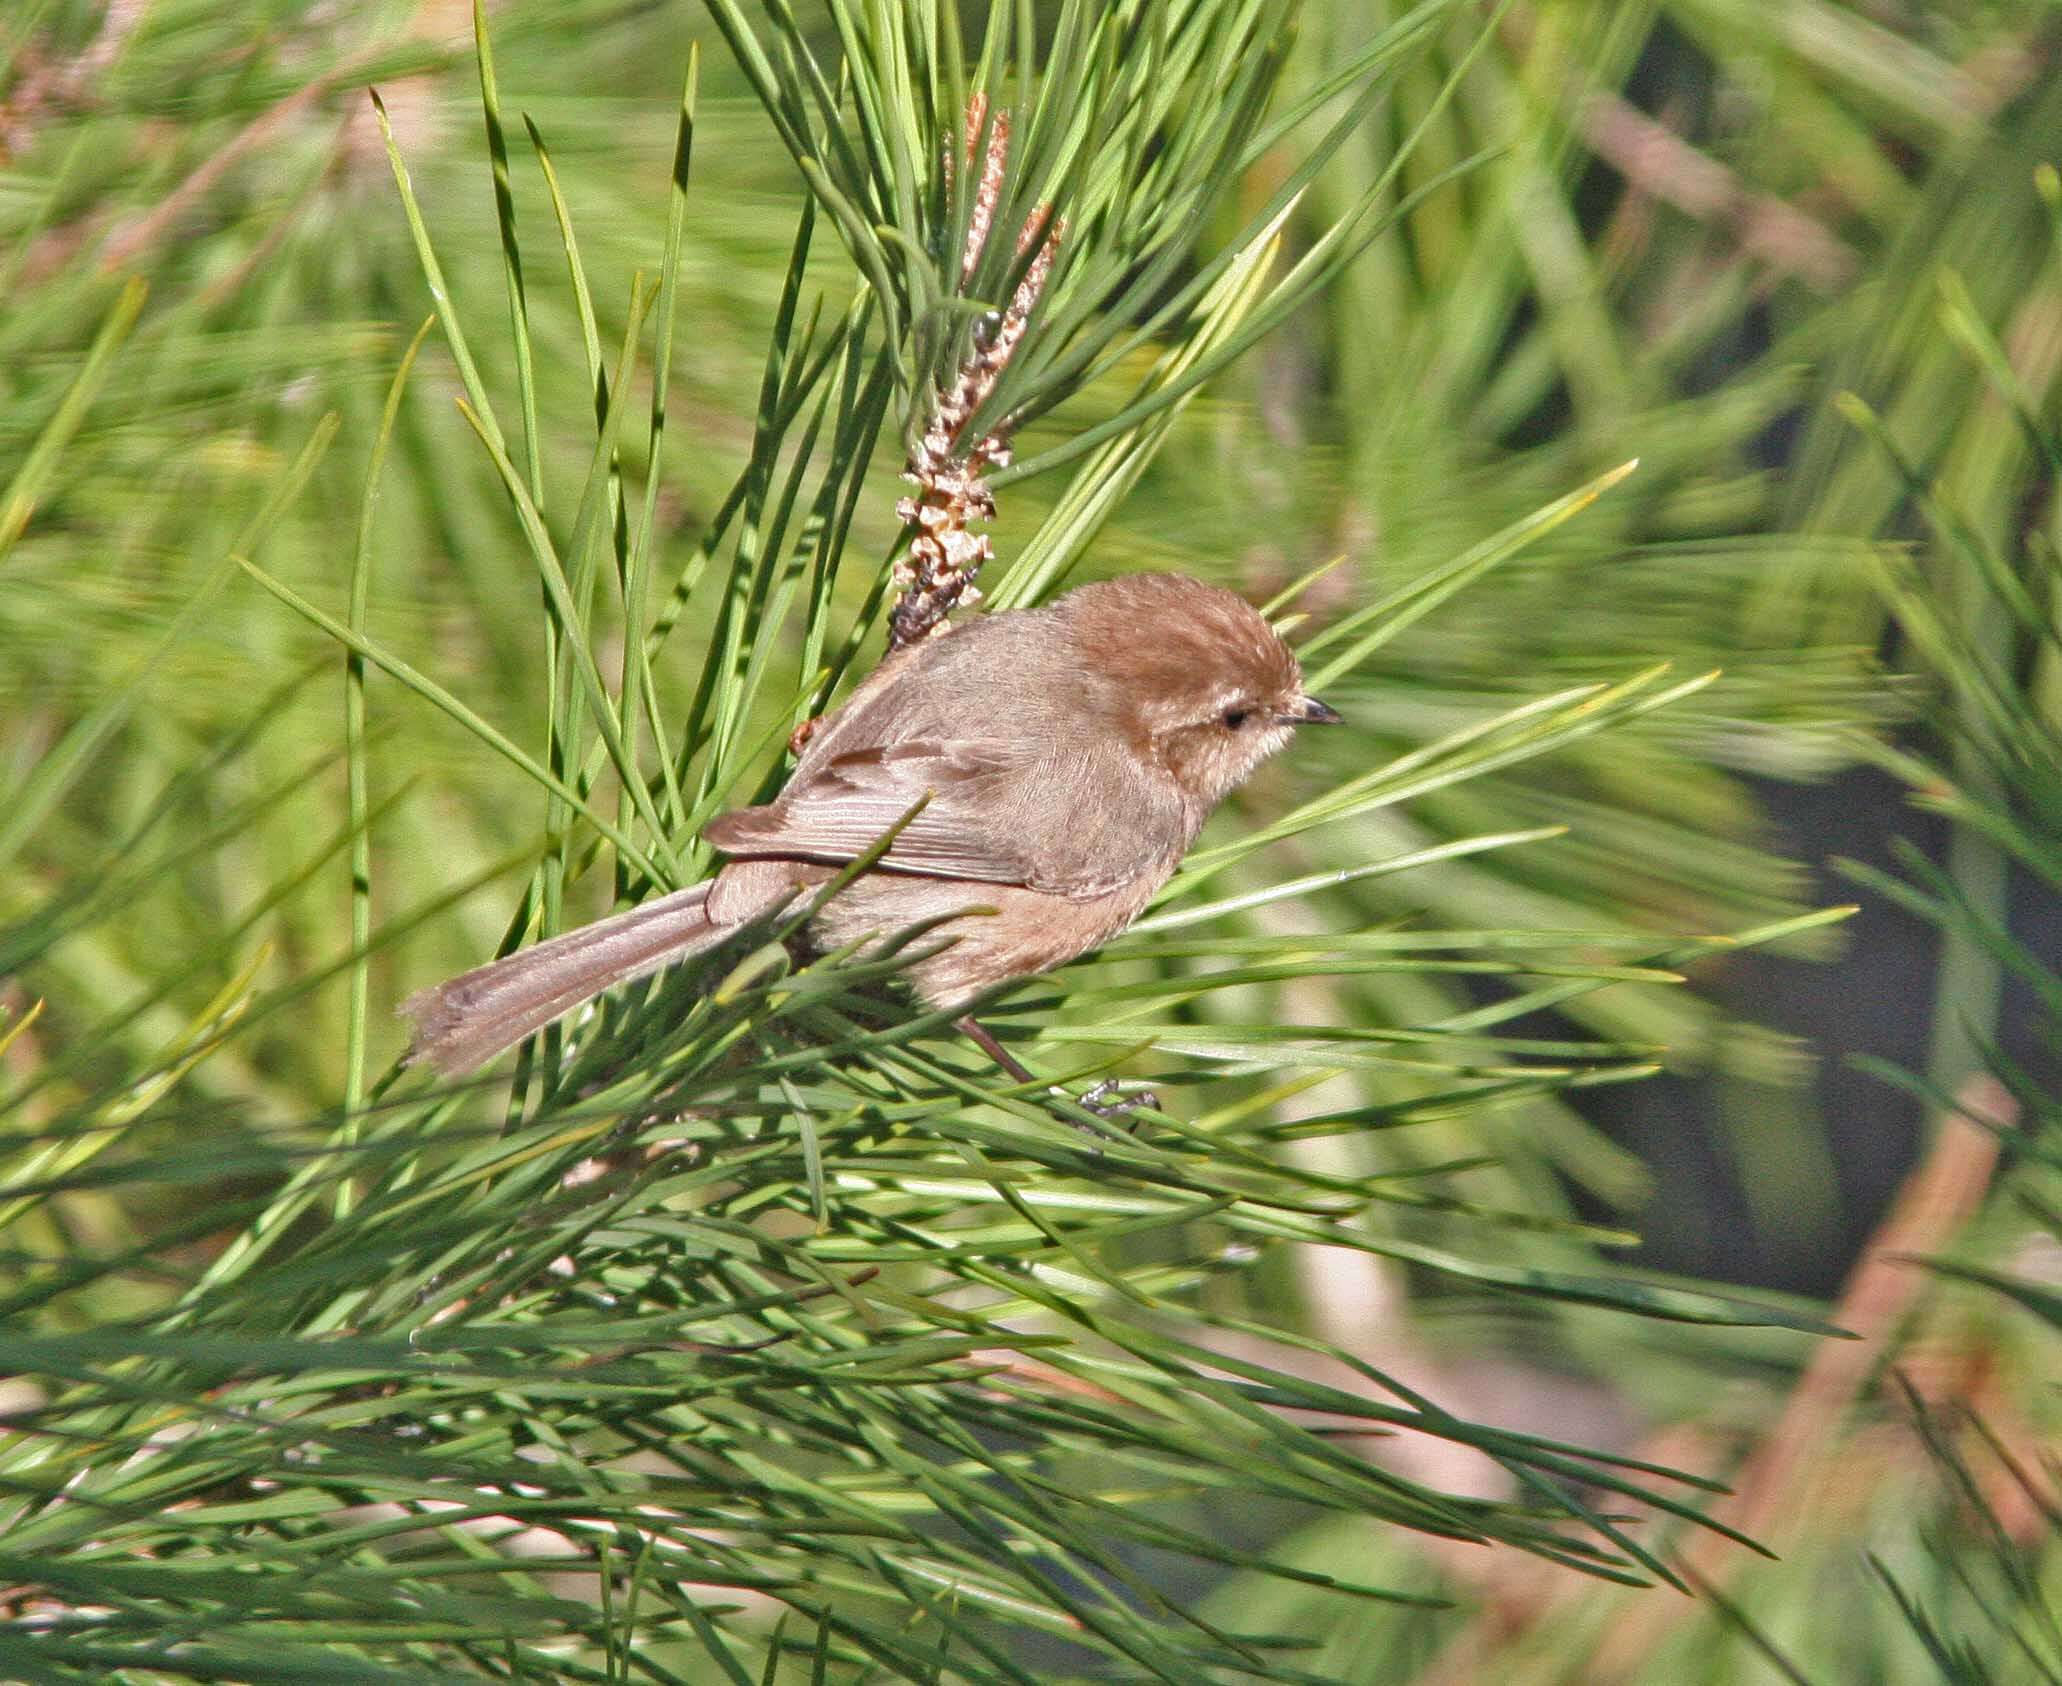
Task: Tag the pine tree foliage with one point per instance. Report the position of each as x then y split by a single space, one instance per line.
760 1294
757 1329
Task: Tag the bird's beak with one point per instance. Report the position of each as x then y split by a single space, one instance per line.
1308 711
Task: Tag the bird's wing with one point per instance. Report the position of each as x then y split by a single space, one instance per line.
838 810
1071 819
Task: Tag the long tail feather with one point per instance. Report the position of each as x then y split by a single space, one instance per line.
465 1022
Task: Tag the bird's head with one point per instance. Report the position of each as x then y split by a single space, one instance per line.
1203 684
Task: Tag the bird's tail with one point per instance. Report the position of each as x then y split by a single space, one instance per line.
467 1021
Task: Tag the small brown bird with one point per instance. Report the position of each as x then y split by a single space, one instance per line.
1069 754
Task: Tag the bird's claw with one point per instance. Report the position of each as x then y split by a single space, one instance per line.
1106 1101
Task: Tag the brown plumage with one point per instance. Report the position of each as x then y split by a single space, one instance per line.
1069 755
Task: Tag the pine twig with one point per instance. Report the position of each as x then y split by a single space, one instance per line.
937 573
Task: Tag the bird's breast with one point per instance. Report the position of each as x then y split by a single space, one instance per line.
992 932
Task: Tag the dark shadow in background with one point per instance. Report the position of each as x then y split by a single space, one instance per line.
1875 998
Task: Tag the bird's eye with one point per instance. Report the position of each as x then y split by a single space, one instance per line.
1235 717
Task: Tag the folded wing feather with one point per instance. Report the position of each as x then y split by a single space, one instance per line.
1068 820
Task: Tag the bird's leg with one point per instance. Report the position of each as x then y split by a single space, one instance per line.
1102 1100
979 1035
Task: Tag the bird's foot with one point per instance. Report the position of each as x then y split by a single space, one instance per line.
1108 1100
